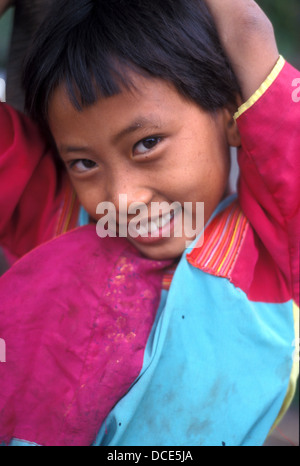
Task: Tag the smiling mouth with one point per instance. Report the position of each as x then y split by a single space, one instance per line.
177 222
153 226
153 230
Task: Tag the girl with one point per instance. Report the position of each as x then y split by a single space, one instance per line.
139 100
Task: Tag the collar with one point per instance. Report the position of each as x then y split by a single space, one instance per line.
216 250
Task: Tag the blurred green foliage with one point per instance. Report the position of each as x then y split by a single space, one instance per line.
5 33
284 14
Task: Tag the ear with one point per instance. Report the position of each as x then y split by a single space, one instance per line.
230 126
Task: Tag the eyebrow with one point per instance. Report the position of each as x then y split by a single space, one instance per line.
138 124
66 148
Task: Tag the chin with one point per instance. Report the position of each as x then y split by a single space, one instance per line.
168 251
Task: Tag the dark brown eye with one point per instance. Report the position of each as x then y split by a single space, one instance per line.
82 165
146 144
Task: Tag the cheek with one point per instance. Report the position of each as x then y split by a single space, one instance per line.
208 182
218 177
89 198
207 176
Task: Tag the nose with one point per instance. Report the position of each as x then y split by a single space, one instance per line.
130 193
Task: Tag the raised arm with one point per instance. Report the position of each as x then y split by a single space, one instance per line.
248 39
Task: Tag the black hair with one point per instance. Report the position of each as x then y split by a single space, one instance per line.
91 44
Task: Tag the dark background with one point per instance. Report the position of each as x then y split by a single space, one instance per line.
285 16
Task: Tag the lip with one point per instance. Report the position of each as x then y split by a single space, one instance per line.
158 235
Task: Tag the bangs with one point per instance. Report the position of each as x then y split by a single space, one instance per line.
93 46
106 78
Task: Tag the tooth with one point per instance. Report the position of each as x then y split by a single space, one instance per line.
153 223
165 219
153 227
143 230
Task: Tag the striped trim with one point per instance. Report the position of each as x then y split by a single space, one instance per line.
223 238
68 217
263 88
168 277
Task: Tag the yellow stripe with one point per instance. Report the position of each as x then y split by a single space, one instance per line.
263 88
69 213
294 373
231 242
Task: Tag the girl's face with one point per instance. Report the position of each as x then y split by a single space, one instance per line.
152 145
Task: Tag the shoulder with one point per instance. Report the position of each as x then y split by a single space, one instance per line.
278 90
230 248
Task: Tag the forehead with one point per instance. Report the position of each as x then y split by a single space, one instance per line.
149 101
